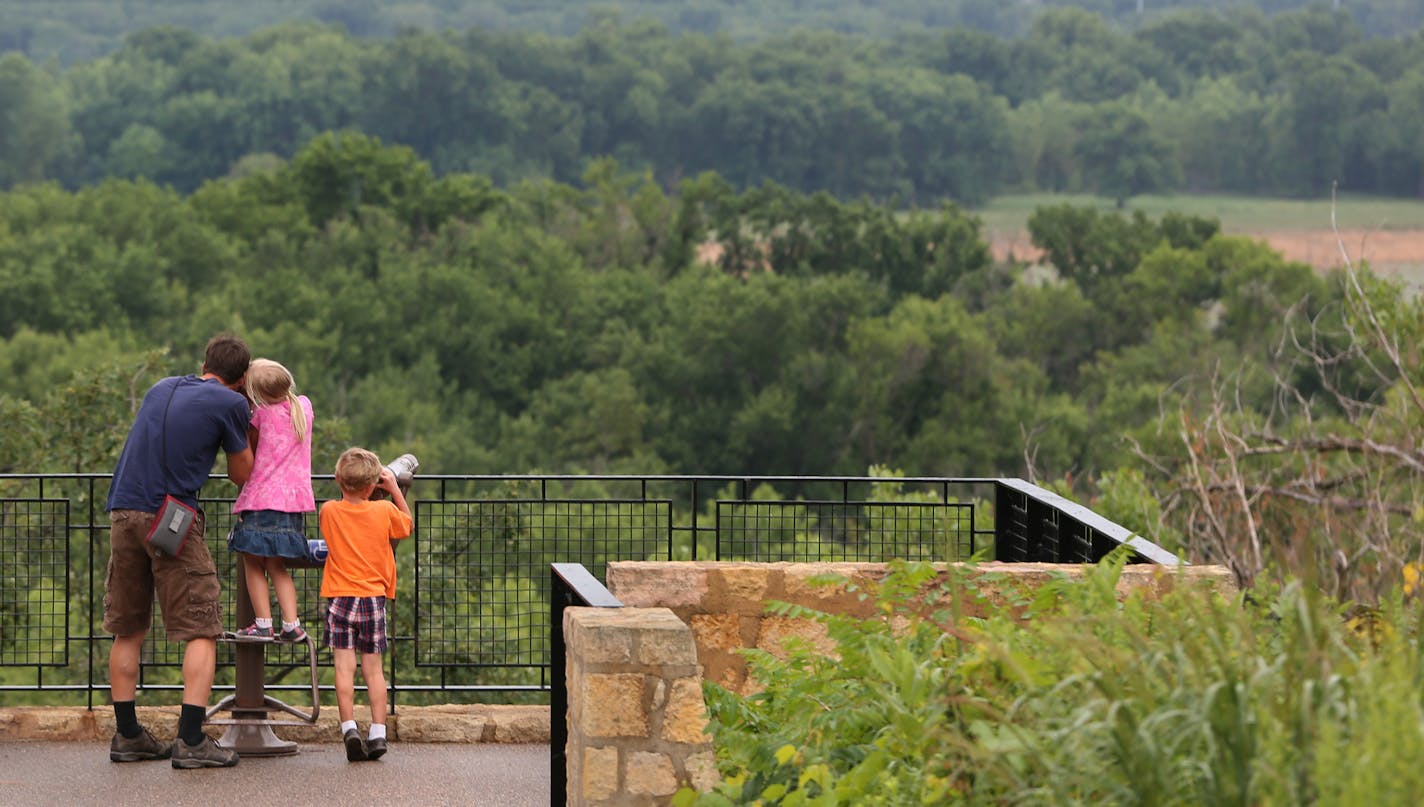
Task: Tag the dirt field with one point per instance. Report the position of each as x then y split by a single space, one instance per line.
1392 253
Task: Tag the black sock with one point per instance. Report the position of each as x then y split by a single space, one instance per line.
190 723
127 719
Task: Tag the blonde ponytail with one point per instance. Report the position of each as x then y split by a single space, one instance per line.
299 415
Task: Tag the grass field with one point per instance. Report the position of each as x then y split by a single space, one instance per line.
1388 233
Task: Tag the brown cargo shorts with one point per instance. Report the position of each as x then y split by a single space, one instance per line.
187 585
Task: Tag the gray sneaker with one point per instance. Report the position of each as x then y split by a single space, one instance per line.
206 754
137 749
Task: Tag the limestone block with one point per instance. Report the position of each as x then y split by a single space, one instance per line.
1158 581
664 640
437 727
718 638
776 630
717 631
728 676
600 773
597 636
521 724
59 724
613 706
612 636
649 773
737 588
804 588
685 718
702 770
670 584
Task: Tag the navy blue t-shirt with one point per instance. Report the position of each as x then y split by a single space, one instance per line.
205 417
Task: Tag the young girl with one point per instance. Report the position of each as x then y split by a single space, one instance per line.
269 509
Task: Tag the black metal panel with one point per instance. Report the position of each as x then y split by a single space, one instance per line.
483 583
822 531
1045 511
34 582
1011 543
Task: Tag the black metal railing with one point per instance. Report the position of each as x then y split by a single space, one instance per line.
570 584
471 617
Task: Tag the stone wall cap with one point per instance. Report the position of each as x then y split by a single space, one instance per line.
466 723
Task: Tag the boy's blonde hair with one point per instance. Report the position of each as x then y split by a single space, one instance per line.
268 382
357 468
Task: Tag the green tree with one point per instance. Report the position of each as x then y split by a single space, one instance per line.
1406 110
1121 155
1322 122
1216 128
935 396
35 129
953 136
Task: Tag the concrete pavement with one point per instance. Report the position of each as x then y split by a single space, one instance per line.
41 773
439 755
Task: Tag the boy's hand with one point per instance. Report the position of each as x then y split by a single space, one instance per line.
388 481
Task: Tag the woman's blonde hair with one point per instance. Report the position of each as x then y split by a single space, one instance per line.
268 383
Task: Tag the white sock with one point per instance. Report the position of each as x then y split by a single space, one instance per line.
378 732
291 625
347 725
264 623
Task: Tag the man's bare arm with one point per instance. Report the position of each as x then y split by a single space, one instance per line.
239 466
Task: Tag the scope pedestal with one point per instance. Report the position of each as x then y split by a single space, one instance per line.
249 729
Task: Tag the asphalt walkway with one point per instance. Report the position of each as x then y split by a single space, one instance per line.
43 773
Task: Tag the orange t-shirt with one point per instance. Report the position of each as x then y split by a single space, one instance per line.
359 561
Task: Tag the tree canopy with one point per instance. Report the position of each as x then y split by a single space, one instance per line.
1191 99
619 327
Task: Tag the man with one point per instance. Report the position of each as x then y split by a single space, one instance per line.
180 427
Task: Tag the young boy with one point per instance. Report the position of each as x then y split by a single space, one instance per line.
360 576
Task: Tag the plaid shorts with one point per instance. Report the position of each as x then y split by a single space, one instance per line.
356 623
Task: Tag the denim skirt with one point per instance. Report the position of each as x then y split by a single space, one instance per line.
269 534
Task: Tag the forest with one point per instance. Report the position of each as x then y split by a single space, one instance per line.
78 30
1194 99
632 250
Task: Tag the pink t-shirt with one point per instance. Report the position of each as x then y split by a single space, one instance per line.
281 469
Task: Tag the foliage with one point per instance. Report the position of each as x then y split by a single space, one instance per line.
620 327
1056 98
1079 695
81 29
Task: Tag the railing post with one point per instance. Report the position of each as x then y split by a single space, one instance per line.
561 597
570 584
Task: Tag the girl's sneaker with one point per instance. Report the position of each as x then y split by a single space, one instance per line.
294 635
254 632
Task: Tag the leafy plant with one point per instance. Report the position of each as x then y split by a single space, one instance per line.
1080 696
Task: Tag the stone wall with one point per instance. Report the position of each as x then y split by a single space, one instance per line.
637 721
459 723
724 603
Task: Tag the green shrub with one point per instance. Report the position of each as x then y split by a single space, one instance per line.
1076 696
